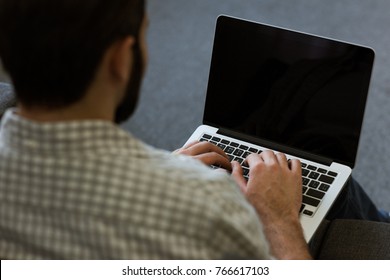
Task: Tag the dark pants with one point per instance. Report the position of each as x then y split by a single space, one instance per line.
354 203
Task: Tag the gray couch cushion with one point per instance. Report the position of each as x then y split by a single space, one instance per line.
355 239
7 97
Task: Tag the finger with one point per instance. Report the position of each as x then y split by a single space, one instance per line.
238 176
282 159
186 146
205 147
295 166
253 159
269 157
213 158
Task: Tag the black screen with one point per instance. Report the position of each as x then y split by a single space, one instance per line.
287 87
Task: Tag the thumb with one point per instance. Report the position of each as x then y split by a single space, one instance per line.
238 176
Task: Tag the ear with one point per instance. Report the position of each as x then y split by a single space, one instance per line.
121 58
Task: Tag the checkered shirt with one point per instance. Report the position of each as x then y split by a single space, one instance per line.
89 190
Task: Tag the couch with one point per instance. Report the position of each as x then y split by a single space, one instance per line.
338 239
7 98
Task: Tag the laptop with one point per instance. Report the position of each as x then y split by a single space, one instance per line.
271 88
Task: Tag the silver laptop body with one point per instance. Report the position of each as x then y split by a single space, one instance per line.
276 89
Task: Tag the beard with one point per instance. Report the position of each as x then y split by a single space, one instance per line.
129 102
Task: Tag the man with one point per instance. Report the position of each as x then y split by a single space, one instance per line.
75 186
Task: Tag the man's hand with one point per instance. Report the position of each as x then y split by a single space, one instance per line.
274 188
207 153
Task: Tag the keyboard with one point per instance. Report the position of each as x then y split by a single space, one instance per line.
316 181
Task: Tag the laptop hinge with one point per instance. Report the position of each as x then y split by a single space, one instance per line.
275 146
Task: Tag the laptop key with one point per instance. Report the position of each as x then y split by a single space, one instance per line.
321 170
326 179
225 142
314 175
305 172
238 152
315 193
311 201
246 154
333 174
229 150
207 136
253 150
222 146
307 212
216 139
314 184
311 167
234 144
243 147
324 187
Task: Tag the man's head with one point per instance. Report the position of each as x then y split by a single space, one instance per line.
52 49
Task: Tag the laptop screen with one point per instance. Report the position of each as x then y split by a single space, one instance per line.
294 89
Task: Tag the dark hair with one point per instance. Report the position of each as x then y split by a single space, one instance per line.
51 49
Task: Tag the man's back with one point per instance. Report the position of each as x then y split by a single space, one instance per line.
88 190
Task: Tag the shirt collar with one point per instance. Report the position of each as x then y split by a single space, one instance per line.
22 134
